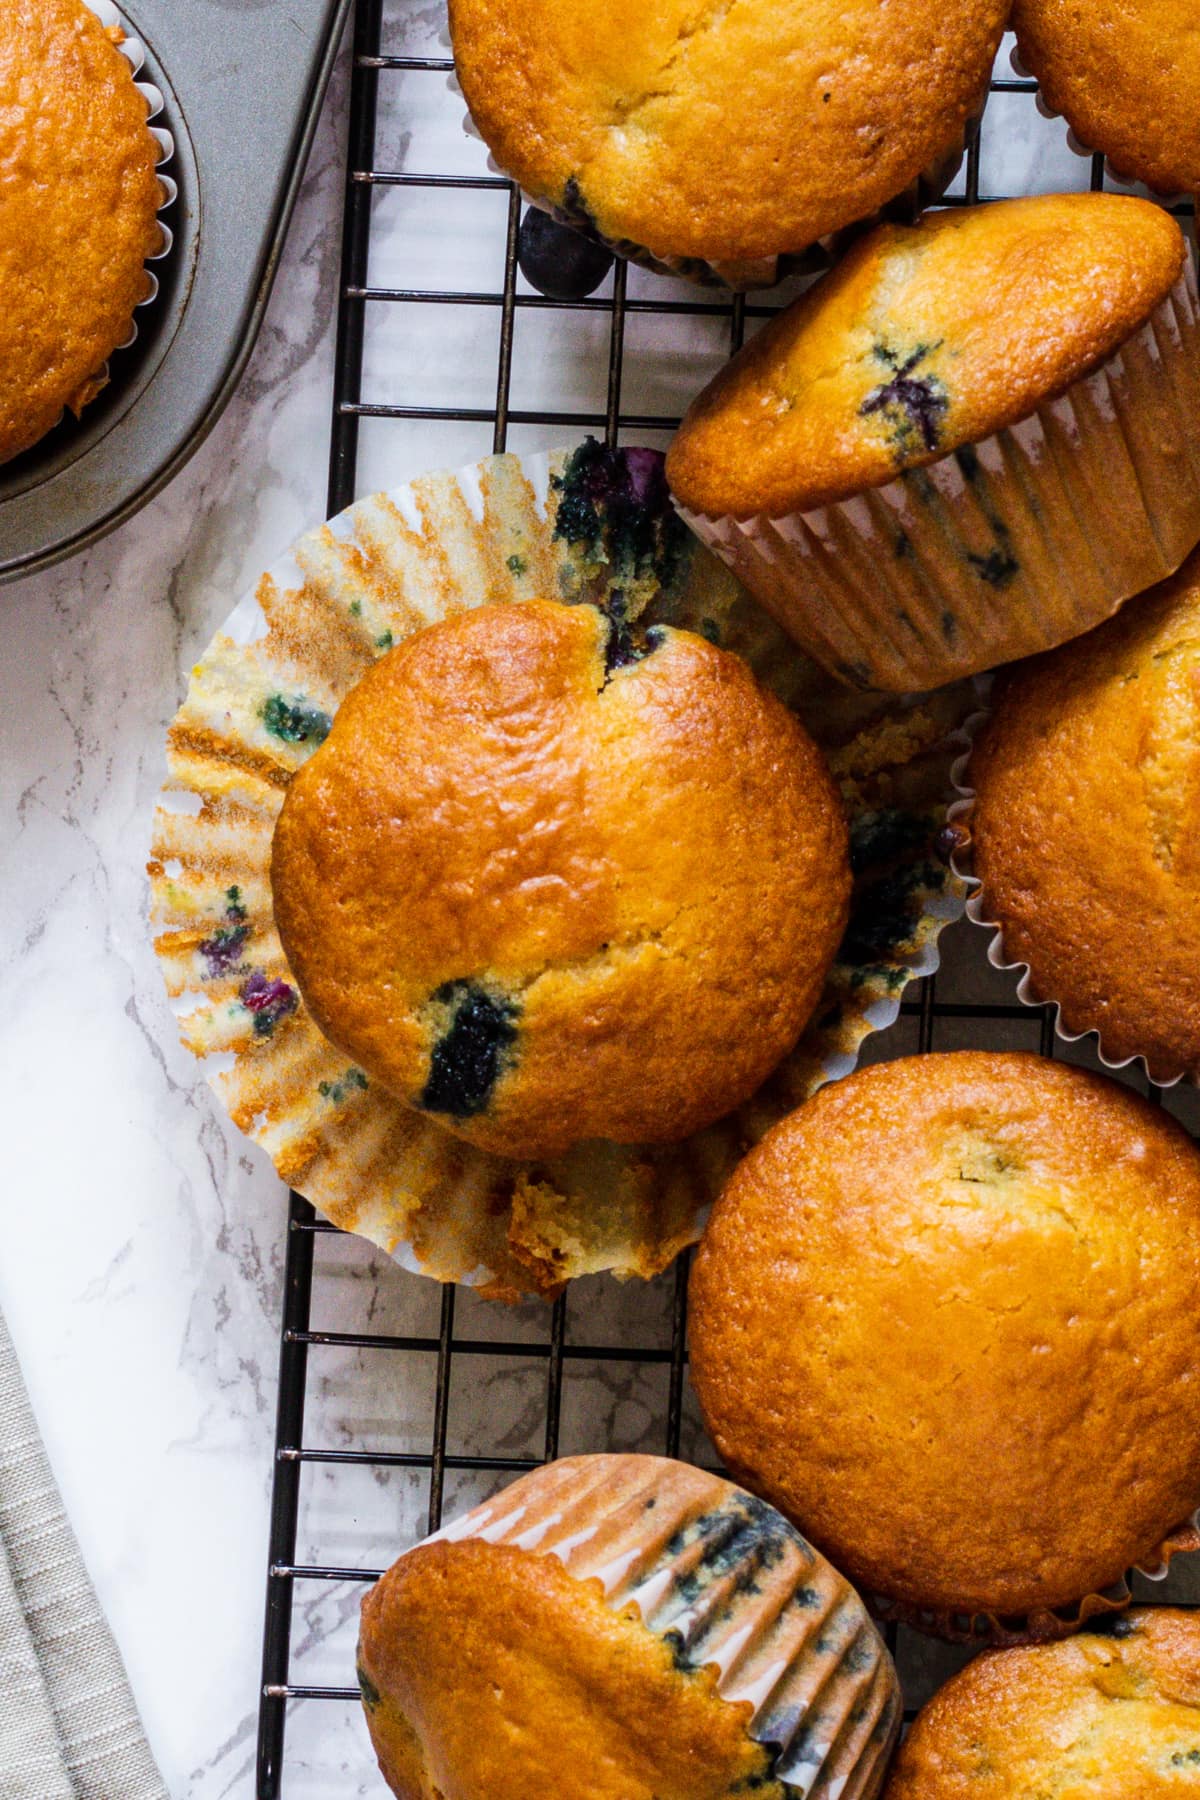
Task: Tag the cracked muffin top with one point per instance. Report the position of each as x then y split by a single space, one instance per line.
1112 1715
549 881
1086 827
1126 77
725 131
924 339
943 1317
78 196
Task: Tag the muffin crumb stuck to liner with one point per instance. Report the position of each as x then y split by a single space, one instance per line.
588 525
1047 472
753 1618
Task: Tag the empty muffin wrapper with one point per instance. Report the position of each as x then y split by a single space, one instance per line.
1004 547
260 701
959 823
741 277
134 52
729 1584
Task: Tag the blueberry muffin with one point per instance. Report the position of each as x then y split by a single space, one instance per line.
971 441
1126 77
943 1317
624 1628
549 879
1085 831
1109 1716
713 141
78 195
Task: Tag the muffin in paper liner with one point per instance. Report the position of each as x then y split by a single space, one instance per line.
729 1586
991 552
585 525
925 190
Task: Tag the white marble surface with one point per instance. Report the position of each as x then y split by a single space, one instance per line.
142 1238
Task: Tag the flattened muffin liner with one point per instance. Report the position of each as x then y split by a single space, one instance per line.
996 1631
260 701
1001 548
134 52
743 277
723 1579
959 824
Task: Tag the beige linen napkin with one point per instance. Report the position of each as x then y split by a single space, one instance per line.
68 1726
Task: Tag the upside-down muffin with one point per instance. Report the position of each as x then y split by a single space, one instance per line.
970 441
624 1628
549 879
78 197
944 1318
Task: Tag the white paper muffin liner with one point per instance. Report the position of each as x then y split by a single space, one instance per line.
134 52
1002 548
749 276
729 1584
960 816
262 698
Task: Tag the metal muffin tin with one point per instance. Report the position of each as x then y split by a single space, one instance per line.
242 83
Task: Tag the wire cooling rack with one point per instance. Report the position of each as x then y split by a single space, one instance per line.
442 1399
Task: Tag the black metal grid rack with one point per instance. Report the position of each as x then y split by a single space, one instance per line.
926 1019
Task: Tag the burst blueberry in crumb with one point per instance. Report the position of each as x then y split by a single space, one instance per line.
616 505
559 261
913 405
469 1057
295 721
268 1001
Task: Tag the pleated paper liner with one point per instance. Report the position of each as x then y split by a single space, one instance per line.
924 190
132 49
729 1584
958 826
1004 547
586 525
1004 1631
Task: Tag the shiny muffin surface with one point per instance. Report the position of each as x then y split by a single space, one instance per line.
1106 1716
1086 828
943 1317
721 132
78 196
1126 77
924 339
549 884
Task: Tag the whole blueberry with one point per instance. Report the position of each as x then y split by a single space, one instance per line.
558 261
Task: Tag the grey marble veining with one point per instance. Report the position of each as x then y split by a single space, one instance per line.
143 1238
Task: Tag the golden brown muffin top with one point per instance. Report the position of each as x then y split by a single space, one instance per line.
923 339
550 885
1105 1716
78 196
717 131
1086 831
492 1674
1126 76
944 1318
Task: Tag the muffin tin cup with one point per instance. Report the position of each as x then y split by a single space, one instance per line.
132 49
729 1585
926 189
977 910
1002 548
263 696
994 1631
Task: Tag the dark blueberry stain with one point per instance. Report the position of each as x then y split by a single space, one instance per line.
468 1058
1117 1625
904 549
356 609
385 641
951 839
626 644
859 1657
913 405
295 721
616 504
352 1082
222 952
881 837
999 565
1184 1759
268 1001
885 913
371 1696
516 565
857 674
967 459
711 630
650 1505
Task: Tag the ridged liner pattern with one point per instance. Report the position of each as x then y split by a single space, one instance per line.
926 189
286 657
726 1581
132 49
1002 548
